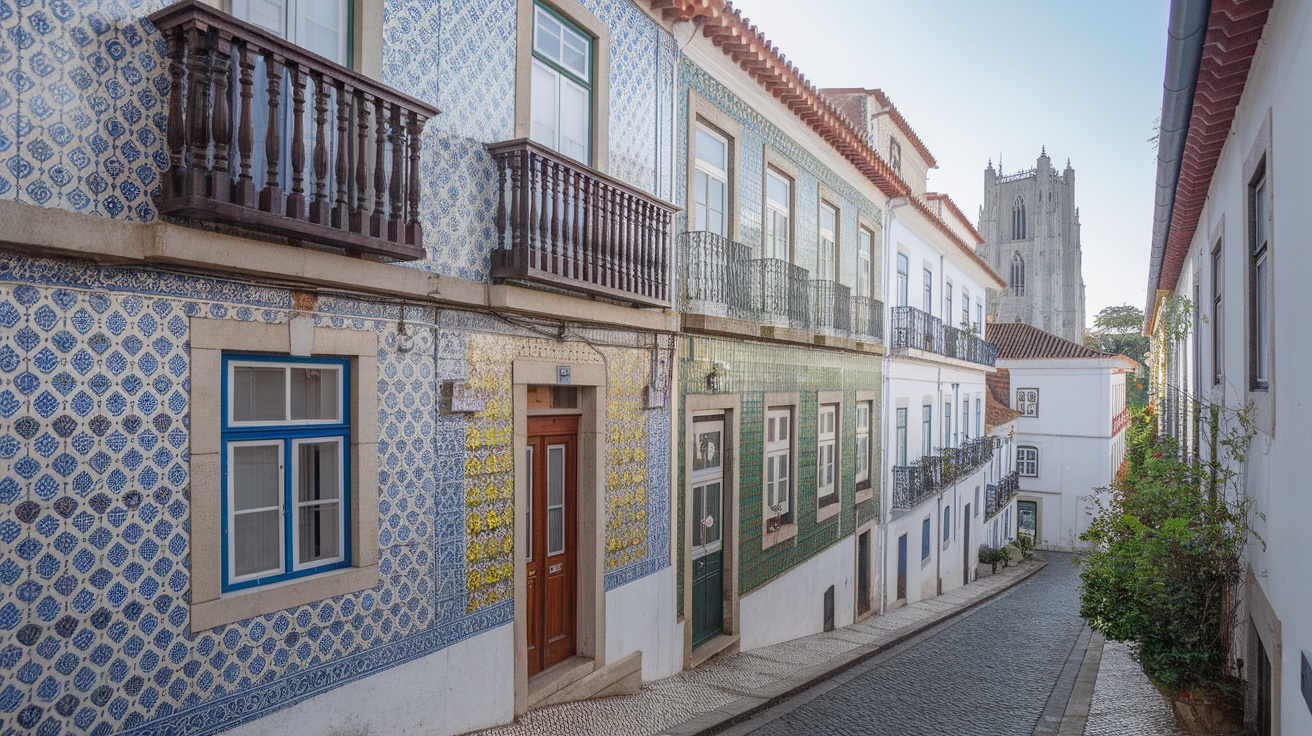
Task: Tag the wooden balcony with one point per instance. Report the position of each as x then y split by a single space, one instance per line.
322 155
564 225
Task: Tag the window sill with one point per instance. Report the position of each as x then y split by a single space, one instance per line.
826 512
784 533
245 604
866 495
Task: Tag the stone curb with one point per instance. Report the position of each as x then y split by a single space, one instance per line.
745 707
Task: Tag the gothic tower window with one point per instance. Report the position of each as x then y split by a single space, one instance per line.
1018 218
1017 275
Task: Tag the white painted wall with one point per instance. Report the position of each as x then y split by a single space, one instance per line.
638 619
1279 85
466 686
792 605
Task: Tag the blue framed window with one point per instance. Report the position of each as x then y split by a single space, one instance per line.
285 468
924 539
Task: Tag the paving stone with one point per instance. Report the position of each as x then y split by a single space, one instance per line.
1124 702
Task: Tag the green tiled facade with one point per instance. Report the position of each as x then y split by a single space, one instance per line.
752 370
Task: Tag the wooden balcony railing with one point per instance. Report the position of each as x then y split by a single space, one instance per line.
562 224
321 154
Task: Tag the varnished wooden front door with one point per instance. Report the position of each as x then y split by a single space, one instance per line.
551 530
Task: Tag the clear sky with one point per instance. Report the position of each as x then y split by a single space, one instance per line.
983 79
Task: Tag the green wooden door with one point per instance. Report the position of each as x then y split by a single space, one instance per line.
706 486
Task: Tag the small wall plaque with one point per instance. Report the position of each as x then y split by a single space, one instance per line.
562 375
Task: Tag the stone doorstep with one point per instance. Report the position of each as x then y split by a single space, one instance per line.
745 707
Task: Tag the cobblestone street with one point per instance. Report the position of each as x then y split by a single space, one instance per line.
990 672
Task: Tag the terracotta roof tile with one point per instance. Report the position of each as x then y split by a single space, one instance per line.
997 404
1018 341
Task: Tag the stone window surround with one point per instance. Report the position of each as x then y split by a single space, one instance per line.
366 34
576 13
702 111
730 405
773 158
868 493
785 532
209 338
1259 157
834 399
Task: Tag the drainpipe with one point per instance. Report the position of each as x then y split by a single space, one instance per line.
886 512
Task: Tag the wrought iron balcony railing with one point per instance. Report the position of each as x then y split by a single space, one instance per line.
912 484
832 309
565 225
267 136
913 328
999 494
867 319
781 293
716 275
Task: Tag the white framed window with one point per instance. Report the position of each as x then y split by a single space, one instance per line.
778 215
964 421
561 102
778 461
828 247
711 182
861 443
1027 401
929 292
900 434
947 303
1218 312
285 438
707 482
319 26
864 261
979 315
979 417
926 430
826 458
965 308
902 280
947 424
1259 282
1027 461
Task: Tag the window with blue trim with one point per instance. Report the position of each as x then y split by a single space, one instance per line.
924 539
286 449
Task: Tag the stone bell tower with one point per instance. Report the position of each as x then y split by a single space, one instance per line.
1031 230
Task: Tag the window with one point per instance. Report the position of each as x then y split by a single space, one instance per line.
1218 334
901 436
1018 218
864 411
1259 285
979 316
1027 401
561 106
895 155
828 243
965 424
285 439
826 450
320 26
929 291
926 430
1027 461
902 279
778 461
710 182
979 417
864 262
965 308
947 303
924 539
778 215
947 523
707 481
947 424
1017 275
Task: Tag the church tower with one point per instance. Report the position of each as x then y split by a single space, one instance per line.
1031 230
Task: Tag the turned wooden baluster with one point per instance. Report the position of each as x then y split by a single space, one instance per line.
643 266
534 226
413 230
503 161
569 230
296 200
358 224
517 234
341 203
553 191
221 177
320 208
175 135
272 197
378 218
398 171
245 194
198 115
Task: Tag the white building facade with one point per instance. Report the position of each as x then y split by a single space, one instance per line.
1070 433
1225 304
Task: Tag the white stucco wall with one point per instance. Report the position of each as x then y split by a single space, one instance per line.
638 619
792 605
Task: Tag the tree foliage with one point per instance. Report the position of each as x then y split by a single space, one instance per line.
1119 330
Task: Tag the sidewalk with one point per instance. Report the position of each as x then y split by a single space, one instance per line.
729 687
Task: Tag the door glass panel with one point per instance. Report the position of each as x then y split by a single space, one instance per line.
528 521
573 120
258 394
314 393
708 520
706 455
543 105
555 499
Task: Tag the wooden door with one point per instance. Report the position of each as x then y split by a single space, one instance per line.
863 572
551 532
706 483
965 548
901 567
